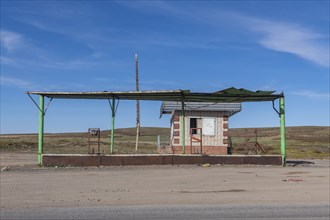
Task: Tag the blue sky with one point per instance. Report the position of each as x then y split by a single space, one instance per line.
204 46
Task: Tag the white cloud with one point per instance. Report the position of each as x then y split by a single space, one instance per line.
17 83
313 95
10 40
294 39
6 60
71 64
278 36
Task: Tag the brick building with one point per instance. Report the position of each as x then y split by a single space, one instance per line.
202 129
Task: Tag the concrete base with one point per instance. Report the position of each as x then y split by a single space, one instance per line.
155 159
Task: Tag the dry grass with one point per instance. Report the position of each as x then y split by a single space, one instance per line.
302 142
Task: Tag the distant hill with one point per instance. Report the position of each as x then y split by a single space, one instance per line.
144 131
302 141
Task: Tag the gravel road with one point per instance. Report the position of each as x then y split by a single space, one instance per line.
300 190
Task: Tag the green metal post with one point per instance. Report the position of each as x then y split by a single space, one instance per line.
41 130
282 125
113 126
183 139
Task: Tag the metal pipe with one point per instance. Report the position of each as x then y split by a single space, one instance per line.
201 134
191 139
113 126
137 104
183 129
89 140
282 127
98 141
41 129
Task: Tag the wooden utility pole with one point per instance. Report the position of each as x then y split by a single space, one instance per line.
137 104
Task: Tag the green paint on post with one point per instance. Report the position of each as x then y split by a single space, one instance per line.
183 139
282 125
41 130
113 126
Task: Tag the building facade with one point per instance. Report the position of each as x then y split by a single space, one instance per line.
202 129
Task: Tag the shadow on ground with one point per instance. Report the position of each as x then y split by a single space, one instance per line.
298 162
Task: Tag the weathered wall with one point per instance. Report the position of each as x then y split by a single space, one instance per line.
206 150
214 144
123 160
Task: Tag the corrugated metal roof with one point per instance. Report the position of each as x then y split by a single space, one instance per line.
130 95
228 95
241 91
168 107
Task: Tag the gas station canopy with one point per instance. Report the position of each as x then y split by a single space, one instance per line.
228 95
186 97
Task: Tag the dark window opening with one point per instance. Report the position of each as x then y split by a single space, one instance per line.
193 124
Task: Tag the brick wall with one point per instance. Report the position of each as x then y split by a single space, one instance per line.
214 144
206 150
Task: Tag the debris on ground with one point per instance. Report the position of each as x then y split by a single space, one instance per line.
205 165
5 169
292 180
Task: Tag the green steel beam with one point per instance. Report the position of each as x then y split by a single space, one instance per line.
113 126
282 127
183 139
41 129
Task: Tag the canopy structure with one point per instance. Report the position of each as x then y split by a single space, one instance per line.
229 95
168 107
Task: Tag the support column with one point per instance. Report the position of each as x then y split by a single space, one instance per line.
41 130
282 127
113 126
183 133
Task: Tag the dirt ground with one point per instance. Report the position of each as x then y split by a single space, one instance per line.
24 185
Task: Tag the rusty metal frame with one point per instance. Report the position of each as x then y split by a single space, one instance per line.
195 139
98 140
258 147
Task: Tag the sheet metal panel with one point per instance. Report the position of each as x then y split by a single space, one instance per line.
231 108
228 95
130 95
208 126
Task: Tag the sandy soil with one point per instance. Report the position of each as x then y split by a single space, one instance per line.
26 186
14 159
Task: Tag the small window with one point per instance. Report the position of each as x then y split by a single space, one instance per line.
193 124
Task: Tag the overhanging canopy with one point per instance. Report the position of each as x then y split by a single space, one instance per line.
228 95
